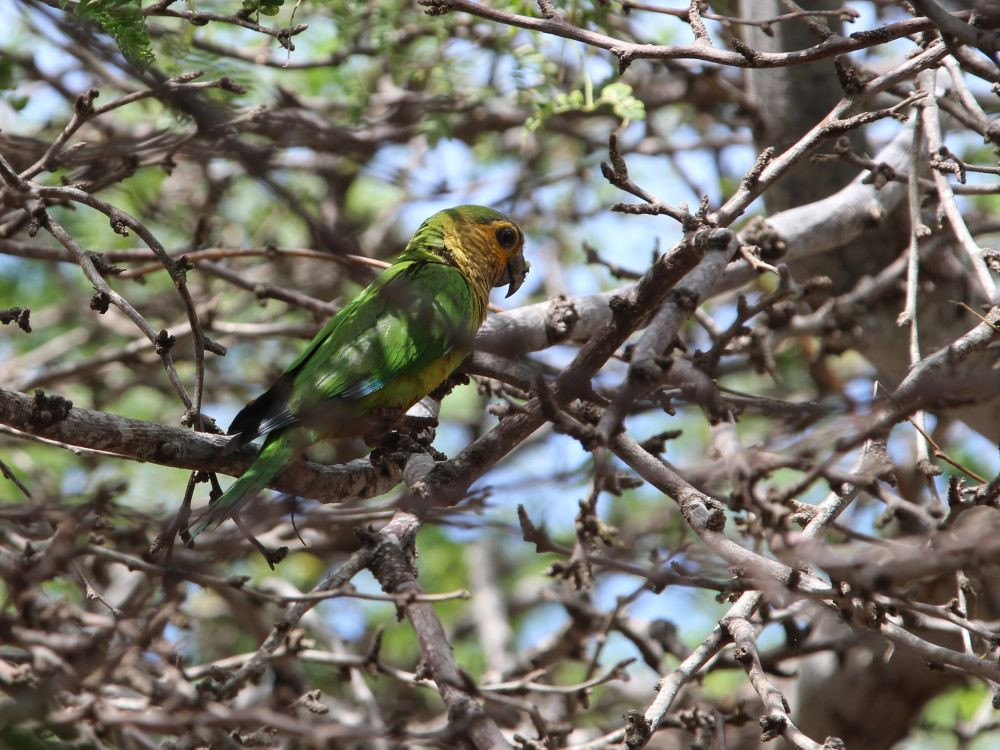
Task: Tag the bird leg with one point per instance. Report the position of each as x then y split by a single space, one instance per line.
380 422
396 446
412 424
385 421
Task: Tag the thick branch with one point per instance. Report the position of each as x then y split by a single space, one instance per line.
169 446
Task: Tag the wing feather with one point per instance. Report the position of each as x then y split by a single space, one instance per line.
415 313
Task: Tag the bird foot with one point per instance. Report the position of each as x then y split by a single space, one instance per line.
383 424
395 447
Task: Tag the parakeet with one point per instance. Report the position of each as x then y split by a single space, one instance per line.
388 348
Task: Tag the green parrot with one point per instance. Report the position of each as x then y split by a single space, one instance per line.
385 350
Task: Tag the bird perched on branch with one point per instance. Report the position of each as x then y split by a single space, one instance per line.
384 351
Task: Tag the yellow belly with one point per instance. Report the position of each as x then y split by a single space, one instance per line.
402 392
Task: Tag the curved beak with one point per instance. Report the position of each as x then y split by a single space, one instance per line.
514 273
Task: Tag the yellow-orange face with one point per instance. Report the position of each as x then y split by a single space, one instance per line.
486 245
507 248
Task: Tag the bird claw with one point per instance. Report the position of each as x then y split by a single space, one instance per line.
393 448
388 425
416 425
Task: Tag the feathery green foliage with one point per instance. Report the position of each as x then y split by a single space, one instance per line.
123 20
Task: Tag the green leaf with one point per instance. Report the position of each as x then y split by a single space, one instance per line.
623 103
6 73
123 20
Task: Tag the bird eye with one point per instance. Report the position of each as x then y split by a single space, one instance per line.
507 237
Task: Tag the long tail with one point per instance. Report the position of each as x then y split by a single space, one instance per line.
276 454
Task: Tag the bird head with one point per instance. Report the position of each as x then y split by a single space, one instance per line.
484 244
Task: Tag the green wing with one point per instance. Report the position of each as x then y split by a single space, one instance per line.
413 315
